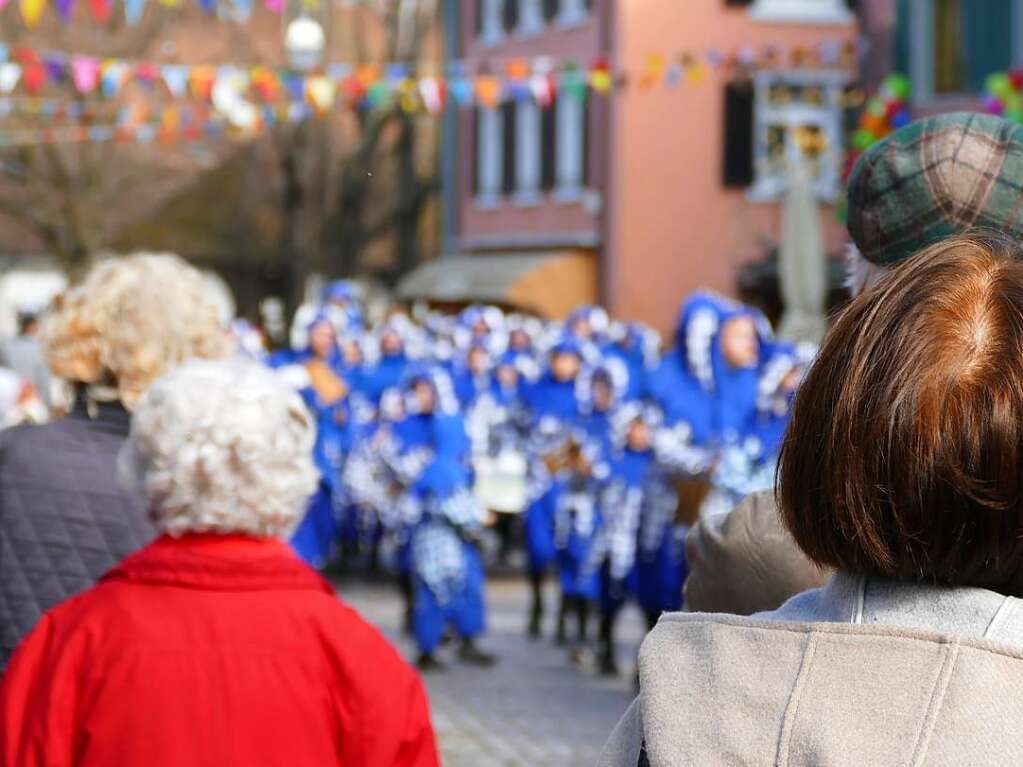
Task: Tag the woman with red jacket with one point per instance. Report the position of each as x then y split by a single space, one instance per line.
214 645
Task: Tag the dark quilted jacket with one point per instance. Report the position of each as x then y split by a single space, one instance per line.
64 520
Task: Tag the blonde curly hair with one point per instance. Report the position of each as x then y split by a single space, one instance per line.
221 446
131 319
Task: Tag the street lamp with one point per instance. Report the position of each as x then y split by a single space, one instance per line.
304 41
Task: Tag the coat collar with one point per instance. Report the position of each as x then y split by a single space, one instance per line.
962 611
213 562
106 415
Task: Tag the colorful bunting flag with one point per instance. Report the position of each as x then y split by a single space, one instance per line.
319 92
85 73
200 80
175 77
101 10
111 77
10 74
433 93
33 77
489 91
32 11
461 89
65 9
133 10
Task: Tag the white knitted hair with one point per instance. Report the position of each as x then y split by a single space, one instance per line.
221 447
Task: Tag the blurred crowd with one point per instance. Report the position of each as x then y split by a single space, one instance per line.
155 608
447 440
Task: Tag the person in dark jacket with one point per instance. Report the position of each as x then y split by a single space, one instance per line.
63 519
214 644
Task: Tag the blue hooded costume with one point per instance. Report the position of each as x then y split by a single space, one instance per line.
641 548
317 535
553 408
443 518
345 294
389 370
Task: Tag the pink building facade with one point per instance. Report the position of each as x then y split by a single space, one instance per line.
529 174
637 179
675 225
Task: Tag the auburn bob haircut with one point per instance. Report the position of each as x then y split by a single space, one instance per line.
904 456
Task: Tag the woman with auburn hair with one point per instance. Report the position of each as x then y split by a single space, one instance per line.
214 644
903 471
63 519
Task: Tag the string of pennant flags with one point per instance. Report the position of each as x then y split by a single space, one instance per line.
32 70
101 11
245 98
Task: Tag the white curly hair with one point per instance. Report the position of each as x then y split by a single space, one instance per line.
130 320
221 446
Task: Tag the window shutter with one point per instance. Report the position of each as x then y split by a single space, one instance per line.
550 10
511 15
548 146
508 122
738 3
738 145
479 17
475 153
986 40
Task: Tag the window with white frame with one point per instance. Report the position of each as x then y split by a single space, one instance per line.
491 22
802 11
531 20
489 156
527 152
797 119
572 12
949 47
570 129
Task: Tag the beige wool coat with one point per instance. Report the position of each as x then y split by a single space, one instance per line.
860 672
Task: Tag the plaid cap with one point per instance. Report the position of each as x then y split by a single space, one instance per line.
934 178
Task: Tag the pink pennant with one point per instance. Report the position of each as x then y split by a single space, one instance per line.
274 6
85 73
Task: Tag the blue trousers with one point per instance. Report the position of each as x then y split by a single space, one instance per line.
539 527
464 608
575 582
662 574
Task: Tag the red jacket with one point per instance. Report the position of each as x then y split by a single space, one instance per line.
211 650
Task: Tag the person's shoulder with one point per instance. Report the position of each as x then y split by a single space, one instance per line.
353 640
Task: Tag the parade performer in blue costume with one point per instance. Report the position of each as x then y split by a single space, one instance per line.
448 576
346 296
553 410
390 368
470 373
431 413
638 348
640 548
369 482
783 371
326 395
738 351
574 495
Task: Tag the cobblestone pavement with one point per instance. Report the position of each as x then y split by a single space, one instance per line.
535 709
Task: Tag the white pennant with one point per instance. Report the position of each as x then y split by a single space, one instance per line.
10 74
429 89
176 78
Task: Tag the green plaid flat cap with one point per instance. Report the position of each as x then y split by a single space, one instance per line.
934 178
